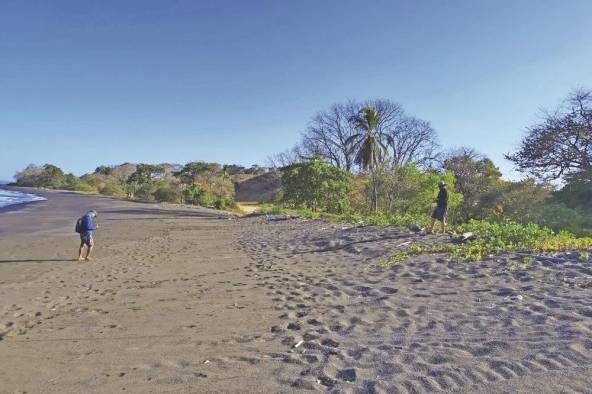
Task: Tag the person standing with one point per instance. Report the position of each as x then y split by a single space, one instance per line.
87 230
439 213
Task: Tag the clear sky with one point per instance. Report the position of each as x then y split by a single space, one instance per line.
84 83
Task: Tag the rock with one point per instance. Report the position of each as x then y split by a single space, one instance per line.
334 243
276 330
466 237
275 218
349 375
354 249
329 342
326 381
515 297
302 384
416 228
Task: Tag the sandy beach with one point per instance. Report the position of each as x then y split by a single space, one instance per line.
191 300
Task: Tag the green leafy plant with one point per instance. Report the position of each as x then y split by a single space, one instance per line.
496 238
315 185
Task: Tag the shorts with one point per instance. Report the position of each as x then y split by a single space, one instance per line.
439 214
86 239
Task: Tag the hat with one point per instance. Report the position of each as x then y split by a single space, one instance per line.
441 183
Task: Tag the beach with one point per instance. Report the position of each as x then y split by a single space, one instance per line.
189 300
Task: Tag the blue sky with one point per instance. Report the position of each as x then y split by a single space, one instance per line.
84 83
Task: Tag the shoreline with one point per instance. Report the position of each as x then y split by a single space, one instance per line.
50 192
20 206
12 207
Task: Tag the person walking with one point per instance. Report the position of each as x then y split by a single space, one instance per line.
86 226
439 213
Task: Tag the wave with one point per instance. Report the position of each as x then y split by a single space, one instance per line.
9 197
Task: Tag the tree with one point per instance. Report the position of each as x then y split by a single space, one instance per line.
369 145
475 175
287 157
29 176
560 145
406 190
191 172
577 191
414 141
329 133
207 184
104 170
316 185
49 176
143 179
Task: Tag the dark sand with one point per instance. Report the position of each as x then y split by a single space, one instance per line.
187 300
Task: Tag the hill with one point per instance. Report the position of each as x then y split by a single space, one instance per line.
260 188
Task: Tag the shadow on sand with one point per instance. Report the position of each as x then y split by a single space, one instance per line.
344 246
163 214
36 261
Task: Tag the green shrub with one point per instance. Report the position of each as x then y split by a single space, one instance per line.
316 185
406 191
195 195
224 203
165 194
113 189
84 187
495 238
48 176
145 192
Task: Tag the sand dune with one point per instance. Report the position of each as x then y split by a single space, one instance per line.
190 300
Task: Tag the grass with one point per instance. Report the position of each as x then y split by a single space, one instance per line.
497 238
375 219
248 208
491 238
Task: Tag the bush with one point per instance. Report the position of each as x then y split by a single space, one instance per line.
495 238
224 203
48 176
408 191
195 195
558 217
113 189
73 183
164 194
316 185
145 192
83 187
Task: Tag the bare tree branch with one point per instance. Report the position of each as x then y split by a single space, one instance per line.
561 144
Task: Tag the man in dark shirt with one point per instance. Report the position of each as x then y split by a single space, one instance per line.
440 211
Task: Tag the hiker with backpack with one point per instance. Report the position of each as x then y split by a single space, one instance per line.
86 226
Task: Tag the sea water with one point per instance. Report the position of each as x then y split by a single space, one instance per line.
9 197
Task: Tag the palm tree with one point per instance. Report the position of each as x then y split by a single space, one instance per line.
369 145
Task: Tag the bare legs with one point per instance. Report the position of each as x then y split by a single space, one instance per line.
88 251
434 225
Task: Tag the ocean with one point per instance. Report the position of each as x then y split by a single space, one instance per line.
9 197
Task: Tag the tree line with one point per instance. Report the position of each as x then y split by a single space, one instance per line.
372 158
197 183
379 160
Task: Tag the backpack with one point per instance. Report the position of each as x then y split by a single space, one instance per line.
79 228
